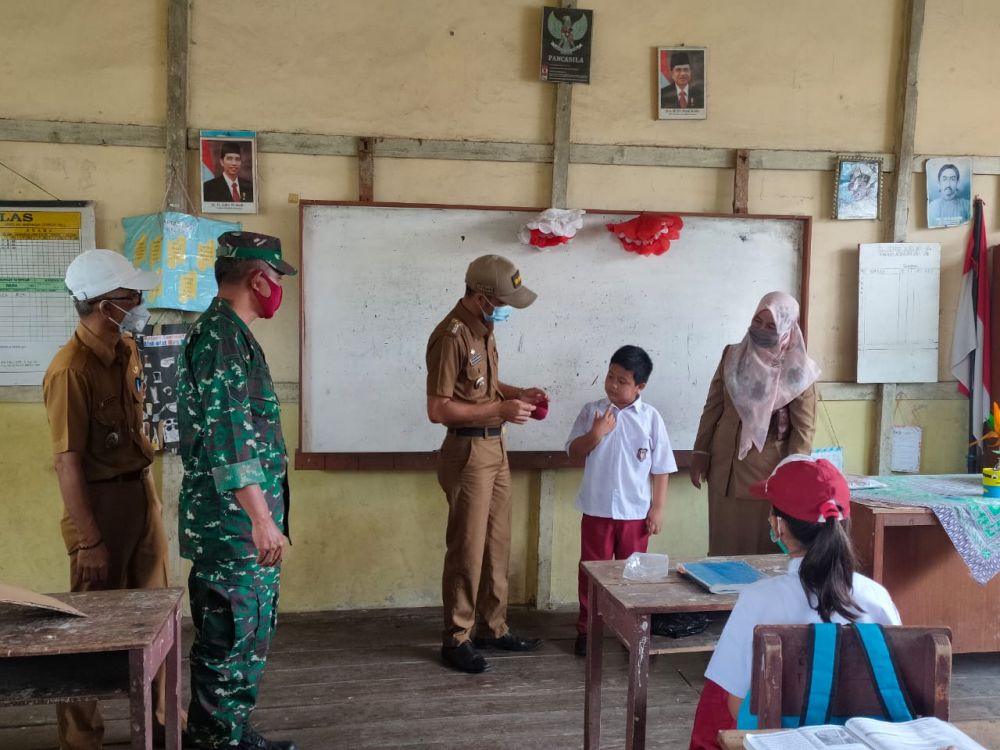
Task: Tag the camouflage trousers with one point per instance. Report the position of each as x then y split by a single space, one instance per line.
234 605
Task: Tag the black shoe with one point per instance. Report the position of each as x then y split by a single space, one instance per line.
508 642
580 647
253 741
465 658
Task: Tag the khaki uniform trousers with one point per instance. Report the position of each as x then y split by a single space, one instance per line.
475 477
129 516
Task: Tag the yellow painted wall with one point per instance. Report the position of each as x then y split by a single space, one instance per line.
803 75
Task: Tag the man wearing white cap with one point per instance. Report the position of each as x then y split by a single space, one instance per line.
93 393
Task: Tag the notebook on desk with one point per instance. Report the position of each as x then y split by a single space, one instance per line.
721 576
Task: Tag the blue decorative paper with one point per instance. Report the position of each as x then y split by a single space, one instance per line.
182 248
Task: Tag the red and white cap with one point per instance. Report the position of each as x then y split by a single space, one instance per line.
806 488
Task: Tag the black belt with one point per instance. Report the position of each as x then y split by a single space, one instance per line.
132 476
479 432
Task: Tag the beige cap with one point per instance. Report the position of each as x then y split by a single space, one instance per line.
498 277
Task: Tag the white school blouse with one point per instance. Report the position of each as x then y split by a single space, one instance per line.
616 475
781 600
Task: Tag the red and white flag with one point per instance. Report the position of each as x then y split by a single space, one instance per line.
970 344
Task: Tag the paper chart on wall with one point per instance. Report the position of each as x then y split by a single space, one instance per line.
37 243
898 289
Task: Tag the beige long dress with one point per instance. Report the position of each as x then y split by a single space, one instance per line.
737 522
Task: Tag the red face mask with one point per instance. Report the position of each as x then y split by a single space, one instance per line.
268 305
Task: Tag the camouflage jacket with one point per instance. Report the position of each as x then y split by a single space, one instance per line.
230 425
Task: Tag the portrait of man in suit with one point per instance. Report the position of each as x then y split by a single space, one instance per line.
682 89
229 186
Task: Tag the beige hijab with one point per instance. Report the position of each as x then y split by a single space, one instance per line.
761 380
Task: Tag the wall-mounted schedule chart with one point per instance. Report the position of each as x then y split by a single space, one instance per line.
37 242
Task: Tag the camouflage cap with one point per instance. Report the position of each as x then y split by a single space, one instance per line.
250 245
498 277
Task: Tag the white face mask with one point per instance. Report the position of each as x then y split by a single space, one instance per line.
135 320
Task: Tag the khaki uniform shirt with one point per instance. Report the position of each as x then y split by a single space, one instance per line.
462 362
94 399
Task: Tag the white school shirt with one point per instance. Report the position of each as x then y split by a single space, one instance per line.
781 600
616 474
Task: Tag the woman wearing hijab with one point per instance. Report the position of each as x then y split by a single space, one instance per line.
761 407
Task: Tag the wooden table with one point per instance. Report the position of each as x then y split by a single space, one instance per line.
983 732
114 652
907 551
626 607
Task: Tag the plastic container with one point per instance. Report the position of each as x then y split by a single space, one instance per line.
647 566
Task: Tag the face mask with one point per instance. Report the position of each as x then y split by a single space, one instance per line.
135 320
269 305
499 315
764 338
776 540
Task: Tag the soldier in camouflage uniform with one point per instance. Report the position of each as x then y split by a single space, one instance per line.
233 503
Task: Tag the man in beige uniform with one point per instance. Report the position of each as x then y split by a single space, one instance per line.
94 393
465 394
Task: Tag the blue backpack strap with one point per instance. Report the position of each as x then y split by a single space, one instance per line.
895 703
822 676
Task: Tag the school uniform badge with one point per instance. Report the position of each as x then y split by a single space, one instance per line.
641 454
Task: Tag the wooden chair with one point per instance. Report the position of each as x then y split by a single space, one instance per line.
781 664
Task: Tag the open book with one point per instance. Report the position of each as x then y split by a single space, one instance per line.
721 576
867 734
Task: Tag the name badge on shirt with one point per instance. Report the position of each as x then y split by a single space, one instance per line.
475 357
641 454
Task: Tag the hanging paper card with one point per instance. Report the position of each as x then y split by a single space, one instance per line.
182 249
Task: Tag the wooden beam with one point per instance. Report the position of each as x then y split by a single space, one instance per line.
178 25
546 534
741 182
561 142
895 224
895 227
366 169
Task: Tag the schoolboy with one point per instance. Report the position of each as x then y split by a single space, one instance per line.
627 450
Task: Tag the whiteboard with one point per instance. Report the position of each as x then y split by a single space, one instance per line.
377 279
898 288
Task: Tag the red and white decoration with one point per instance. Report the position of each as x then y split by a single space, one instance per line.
648 234
553 226
970 350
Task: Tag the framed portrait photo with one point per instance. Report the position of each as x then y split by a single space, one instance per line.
682 91
857 190
228 171
949 191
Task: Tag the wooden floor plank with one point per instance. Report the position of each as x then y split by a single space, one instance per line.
373 679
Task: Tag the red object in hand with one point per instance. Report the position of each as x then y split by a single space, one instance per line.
541 409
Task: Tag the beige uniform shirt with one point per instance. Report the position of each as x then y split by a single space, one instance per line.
462 362
94 399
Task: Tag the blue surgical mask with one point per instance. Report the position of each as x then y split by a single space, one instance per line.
499 315
776 540
763 337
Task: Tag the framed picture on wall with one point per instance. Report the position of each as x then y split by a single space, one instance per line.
683 88
949 191
857 190
228 171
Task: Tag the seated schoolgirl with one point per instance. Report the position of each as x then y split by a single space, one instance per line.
810 507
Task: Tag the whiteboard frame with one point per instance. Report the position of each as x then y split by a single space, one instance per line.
520 460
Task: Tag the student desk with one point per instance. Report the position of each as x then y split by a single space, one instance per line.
114 652
907 551
625 608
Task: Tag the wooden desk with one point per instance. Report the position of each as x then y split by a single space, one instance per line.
625 607
906 550
114 652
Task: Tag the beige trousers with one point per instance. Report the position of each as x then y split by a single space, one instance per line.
130 518
475 477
